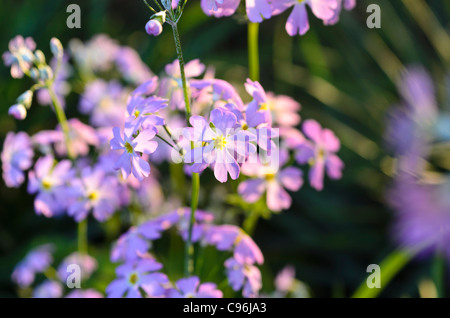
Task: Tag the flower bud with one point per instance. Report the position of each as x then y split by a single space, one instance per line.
45 73
56 47
25 98
153 27
18 111
34 74
39 57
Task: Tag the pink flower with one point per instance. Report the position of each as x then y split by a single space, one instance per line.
153 27
320 153
134 146
256 9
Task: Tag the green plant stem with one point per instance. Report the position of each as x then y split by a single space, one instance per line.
189 248
61 116
82 237
253 52
389 267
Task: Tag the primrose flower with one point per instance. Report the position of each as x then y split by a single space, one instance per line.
93 191
20 55
48 289
81 137
88 293
284 110
191 288
87 264
135 276
245 276
131 66
143 112
320 153
256 9
297 22
17 155
129 246
36 261
222 141
49 182
134 146
346 4
267 178
172 87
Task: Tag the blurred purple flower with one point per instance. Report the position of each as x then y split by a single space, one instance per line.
49 182
191 288
87 264
129 246
36 261
20 55
87 293
245 276
17 155
48 289
131 66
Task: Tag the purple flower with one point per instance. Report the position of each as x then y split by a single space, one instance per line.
133 147
171 87
135 276
346 4
285 279
284 110
104 102
218 8
245 276
223 237
246 251
48 289
18 111
20 55
36 261
87 264
143 112
131 66
191 288
17 155
297 22
49 182
267 178
94 191
129 246
320 153
152 229
87 293
222 141
81 136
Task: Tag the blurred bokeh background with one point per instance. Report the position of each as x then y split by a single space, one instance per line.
344 76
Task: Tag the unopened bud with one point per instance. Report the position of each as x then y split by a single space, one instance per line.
45 73
18 111
153 27
34 74
25 98
39 57
56 47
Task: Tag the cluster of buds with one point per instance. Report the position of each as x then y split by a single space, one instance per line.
24 59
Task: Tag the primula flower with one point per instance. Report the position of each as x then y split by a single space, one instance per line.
129 246
143 112
245 276
172 87
267 178
131 66
320 153
346 4
17 155
191 288
87 264
36 261
48 289
135 276
49 182
222 141
285 279
131 161
20 55
284 110
256 9
88 293
93 191
297 22
81 137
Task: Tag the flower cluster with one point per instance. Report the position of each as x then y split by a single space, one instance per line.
39 261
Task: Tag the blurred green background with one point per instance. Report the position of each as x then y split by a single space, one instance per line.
344 76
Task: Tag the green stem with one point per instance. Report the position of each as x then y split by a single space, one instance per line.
189 248
389 267
82 237
61 116
438 274
253 53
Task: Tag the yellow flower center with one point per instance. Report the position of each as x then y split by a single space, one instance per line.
264 106
133 278
128 147
93 195
46 184
244 126
270 176
136 113
219 142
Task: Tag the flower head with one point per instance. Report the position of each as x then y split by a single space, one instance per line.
17 155
191 288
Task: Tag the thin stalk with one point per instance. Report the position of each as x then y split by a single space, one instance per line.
189 248
253 52
389 267
82 237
